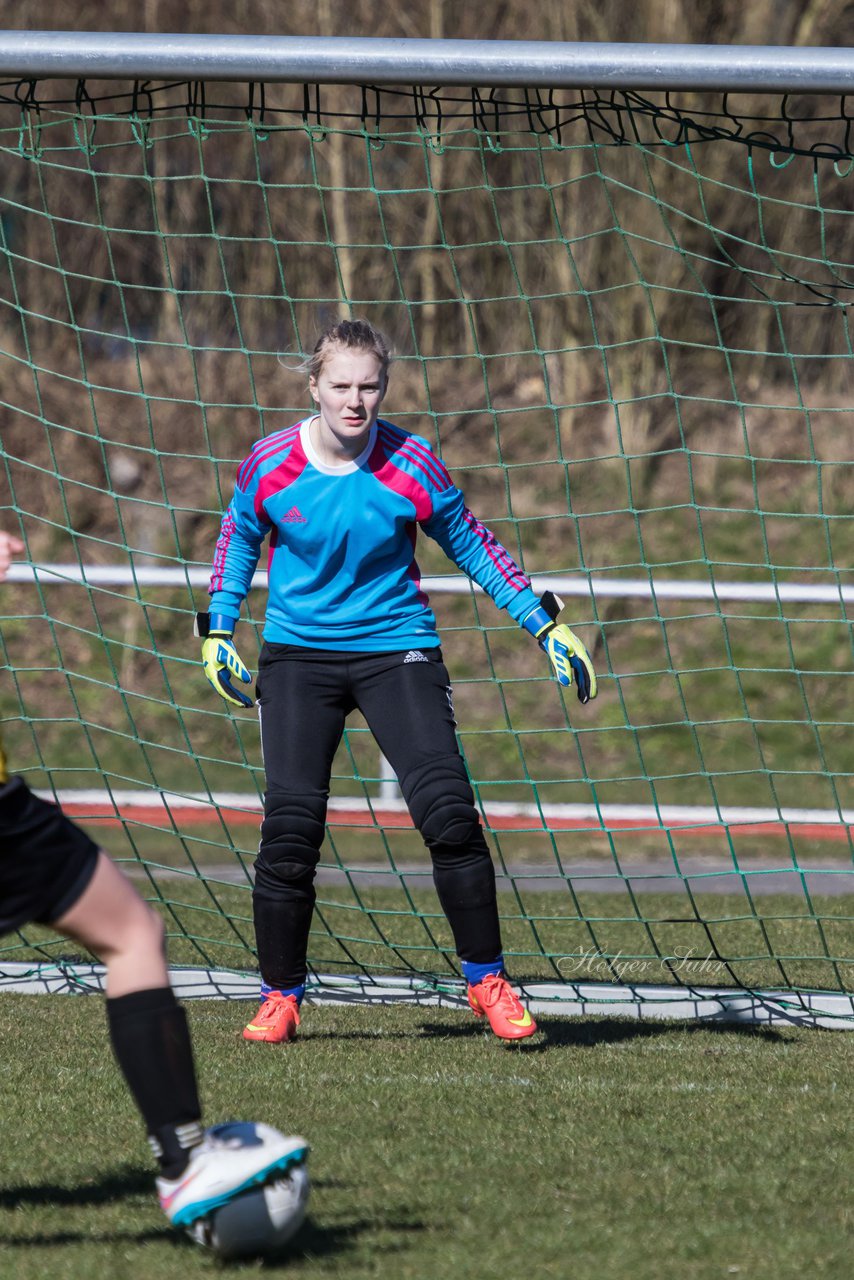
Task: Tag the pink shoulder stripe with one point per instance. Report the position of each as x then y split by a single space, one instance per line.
262 451
401 455
404 440
401 438
279 478
258 447
400 482
440 481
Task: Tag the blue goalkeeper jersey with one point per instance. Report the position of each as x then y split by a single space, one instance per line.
342 568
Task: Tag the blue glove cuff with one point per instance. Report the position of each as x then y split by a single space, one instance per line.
537 621
219 623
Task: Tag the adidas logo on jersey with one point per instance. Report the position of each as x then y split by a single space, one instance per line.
415 655
294 516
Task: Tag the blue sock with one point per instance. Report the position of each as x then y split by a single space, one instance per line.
299 991
475 973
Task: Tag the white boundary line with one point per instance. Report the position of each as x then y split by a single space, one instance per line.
709 1004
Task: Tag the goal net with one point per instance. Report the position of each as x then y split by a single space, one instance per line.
622 319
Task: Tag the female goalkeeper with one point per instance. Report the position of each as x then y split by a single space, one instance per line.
340 495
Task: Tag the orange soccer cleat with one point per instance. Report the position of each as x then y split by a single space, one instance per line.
507 1016
276 1021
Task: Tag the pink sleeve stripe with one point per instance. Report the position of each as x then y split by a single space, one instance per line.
222 544
499 555
263 450
279 478
404 440
401 482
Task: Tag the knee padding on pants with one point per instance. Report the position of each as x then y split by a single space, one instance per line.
291 835
440 800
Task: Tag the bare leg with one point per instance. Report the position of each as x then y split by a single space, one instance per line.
113 921
148 1028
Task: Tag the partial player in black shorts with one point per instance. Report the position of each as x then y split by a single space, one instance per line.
53 873
46 862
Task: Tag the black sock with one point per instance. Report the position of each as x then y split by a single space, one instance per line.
151 1041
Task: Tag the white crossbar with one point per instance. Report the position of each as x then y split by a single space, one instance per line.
458 584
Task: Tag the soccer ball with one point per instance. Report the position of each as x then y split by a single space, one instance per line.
259 1221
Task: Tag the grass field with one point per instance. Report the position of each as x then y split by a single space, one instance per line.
606 1150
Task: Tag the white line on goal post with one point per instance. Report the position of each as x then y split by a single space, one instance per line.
569 999
458 584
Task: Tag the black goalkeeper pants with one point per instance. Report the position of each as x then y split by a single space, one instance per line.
304 697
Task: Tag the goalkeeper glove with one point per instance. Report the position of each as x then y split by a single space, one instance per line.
565 652
220 658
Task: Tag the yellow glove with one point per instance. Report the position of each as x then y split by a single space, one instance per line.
568 656
221 660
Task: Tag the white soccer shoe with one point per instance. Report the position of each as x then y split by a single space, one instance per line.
230 1158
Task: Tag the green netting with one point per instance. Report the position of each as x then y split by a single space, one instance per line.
624 323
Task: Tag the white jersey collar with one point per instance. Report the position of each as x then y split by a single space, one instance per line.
345 467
